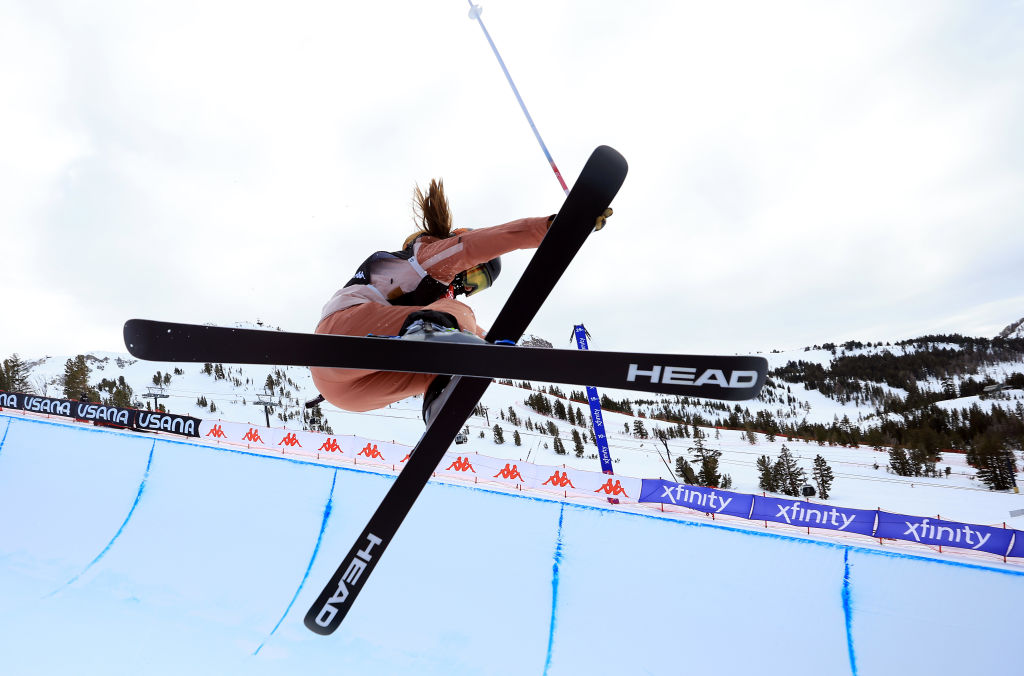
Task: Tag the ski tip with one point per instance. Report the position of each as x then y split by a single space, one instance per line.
608 153
131 337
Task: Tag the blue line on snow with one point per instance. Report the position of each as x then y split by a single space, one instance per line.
138 496
316 550
848 612
554 588
6 430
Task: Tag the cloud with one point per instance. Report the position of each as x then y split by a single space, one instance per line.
800 172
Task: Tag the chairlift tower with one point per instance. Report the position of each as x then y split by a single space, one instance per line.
155 393
265 400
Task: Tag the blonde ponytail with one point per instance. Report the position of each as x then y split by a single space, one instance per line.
431 212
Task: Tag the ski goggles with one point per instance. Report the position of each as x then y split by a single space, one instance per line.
477 279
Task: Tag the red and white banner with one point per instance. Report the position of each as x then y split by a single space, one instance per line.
472 467
298 442
561 480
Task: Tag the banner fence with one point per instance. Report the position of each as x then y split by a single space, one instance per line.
565 481
101 414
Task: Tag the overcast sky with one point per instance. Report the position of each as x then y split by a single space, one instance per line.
800 172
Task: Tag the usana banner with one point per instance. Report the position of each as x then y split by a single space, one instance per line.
101 414
873 523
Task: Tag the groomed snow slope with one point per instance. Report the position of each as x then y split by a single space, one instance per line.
123 553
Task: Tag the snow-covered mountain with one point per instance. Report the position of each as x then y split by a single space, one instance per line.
1014 330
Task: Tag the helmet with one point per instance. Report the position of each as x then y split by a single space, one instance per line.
478 277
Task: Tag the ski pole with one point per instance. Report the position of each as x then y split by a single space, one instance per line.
474 13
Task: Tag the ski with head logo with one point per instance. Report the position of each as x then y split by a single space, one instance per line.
593 191
730 378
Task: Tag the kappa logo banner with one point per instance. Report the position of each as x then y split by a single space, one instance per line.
559 480
301 442
946 533
519 475
510 472
253 436
331 445
814 515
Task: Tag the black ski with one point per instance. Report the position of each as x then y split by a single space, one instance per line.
713 377
590 196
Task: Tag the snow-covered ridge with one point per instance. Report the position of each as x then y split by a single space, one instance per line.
1014 330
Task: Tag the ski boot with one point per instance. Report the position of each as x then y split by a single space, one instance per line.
432 325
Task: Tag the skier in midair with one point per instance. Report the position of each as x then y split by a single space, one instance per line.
391 291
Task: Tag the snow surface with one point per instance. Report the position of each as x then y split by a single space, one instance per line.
135 553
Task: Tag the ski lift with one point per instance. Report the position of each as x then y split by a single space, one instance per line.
807 491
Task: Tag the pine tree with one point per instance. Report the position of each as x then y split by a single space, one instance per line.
14 375
499 434
706 460
899 463
788 475
577 442
559 446
996 462
119 392
76 380
685 471
516 439
822 475
766 477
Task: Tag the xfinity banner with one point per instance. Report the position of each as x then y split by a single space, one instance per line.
700 498
872 523
801 513
949 533
1018 545
603 452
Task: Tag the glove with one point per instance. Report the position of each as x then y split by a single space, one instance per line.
602 220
